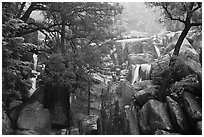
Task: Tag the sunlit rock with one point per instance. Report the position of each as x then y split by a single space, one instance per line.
34 117
177 116
192 107
154 116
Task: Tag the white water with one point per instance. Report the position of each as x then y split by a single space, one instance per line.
33 79
35 61
157 51
136 74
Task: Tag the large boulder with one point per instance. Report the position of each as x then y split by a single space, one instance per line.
131 114
6 125
142 96
154 116
34 117
177 115
192 107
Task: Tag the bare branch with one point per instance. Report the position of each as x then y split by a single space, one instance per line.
170 16
196 24
32 7
38 27
199 6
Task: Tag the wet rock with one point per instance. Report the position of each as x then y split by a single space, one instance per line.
198 129
154 116
15 103
162 132
192 107
177 115
34 117
131 114
142 96
6 125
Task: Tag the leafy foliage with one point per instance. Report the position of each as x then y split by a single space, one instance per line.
15 71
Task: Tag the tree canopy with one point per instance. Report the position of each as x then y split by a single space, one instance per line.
72 49
188 13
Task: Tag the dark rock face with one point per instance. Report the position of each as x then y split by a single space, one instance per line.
154 116
177 116
34 117
142 96
192 107
6 125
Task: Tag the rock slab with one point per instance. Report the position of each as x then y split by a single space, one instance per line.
34 117
154 116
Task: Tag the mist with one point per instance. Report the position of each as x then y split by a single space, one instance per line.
137 17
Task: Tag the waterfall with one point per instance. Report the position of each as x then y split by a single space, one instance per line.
136 74
35 73
157 51
35 61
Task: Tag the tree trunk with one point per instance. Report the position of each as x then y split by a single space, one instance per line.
26 15
62 46
89 98
181 38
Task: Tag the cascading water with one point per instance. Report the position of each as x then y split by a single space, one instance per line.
35 61
35 73
136 74
157 51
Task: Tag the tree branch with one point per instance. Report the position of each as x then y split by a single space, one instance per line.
196 24
38 27
199 6
170 16
32 7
